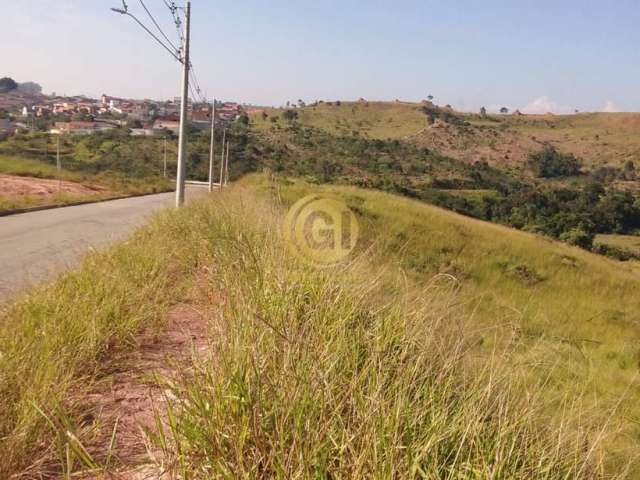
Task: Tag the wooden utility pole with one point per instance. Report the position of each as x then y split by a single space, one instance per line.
224 139
226 166
182 144
165 157
211 146
58 162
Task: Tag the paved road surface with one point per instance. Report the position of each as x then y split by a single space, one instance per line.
35 246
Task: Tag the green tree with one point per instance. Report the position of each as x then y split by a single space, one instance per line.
289 115
134 123
578 237
7 84
550 163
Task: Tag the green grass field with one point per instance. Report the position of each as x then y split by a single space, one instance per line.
447 347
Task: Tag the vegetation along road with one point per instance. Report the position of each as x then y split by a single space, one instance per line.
38 244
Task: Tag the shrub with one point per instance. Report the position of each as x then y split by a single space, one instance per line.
289 115
550 163
578 237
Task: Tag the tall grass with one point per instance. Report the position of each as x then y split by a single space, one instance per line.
52 341
377 369
349 373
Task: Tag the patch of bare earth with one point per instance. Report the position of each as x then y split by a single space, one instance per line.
13 186
131 398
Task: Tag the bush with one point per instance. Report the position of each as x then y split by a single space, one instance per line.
550 163
578 237
289 115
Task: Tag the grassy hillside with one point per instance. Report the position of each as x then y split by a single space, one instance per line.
542 188
381 120
600 139
447 347
561 307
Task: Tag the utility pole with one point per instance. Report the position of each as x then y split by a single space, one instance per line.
226 166
58 162
182 144
224 138
165 157
213 127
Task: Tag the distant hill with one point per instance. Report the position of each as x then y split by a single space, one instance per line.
599 139
569 177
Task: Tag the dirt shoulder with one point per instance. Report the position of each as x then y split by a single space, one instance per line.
23 192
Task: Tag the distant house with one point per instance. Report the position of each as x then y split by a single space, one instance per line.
80 128
42 111
141 132
168 123
110 101
64 107
228 112
201 113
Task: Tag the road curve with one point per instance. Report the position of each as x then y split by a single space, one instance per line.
35 246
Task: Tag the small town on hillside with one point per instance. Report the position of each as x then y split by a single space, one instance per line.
26 108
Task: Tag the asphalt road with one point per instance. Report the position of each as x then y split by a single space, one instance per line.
35 246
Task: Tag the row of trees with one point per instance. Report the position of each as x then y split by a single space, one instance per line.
8 84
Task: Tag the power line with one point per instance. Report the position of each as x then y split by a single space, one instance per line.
158 26
176 19
125 11
193 95
196 84
183 57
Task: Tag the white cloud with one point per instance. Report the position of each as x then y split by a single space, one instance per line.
542 105
610 107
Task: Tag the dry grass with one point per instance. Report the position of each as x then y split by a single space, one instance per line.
506 140
447 348
630 243
360 372
53 340
371 120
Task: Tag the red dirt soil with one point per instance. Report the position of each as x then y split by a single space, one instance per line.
12 187
133 395
129 398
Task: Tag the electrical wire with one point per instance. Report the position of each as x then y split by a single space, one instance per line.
195 80
177 53
144 27
176 19
157 26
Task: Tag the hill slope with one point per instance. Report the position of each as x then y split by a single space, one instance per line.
598 138
569 177
446 344
561 307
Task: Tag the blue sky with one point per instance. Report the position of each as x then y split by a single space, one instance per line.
537 55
